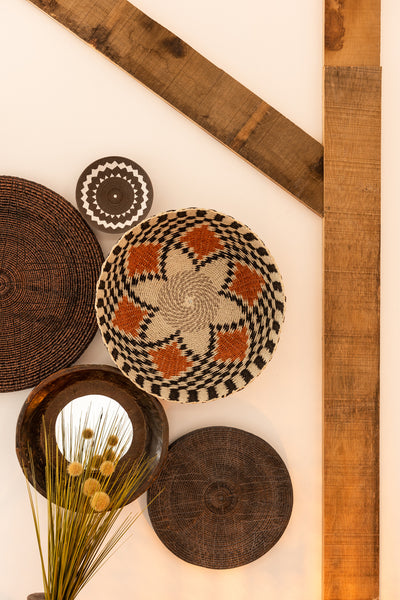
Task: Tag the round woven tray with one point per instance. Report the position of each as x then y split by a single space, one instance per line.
114 194
49 264
190 305
226 500
46 401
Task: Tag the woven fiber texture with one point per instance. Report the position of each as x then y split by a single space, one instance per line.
226 500
190 305
49 264
114 194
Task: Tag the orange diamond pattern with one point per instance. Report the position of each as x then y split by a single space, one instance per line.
232 345
143 259
128 317
170 361
247 283
203 240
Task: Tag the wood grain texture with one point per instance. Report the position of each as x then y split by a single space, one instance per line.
203 92
351 333
352 32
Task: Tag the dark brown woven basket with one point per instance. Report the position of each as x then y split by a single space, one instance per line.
49 264
226 498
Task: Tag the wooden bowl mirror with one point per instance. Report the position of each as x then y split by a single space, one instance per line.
66 396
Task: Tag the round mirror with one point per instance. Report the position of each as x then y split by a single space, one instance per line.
86 419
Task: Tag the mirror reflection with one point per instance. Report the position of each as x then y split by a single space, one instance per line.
93 420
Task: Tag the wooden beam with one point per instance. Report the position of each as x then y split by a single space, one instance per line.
352 32
200 90
351 299
351 332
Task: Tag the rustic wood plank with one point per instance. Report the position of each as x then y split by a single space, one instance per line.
203 92
352 32
351 332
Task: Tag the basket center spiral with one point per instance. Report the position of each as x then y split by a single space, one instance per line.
115 196
188 301
7 283
220 498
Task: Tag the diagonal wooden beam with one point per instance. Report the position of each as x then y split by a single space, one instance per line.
352 139
200 90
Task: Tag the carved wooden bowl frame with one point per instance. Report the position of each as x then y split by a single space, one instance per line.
46 401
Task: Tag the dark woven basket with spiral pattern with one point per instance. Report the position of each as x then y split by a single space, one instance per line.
49 263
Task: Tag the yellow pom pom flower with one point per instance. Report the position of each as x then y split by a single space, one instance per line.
100 501
87 433
91 486
113 440
107 468
75 469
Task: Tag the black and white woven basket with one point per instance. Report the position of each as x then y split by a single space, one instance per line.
190 305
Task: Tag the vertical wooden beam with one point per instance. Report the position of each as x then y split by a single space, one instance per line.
352 32
351 300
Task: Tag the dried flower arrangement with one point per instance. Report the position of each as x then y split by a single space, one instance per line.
84 500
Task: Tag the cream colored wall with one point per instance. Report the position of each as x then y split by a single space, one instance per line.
62 106
390 302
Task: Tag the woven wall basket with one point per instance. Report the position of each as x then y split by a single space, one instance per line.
226 500
190 305
114 194
49 264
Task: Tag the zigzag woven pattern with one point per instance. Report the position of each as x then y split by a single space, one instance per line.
190 305
114 194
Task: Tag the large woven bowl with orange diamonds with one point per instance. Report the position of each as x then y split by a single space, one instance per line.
190 305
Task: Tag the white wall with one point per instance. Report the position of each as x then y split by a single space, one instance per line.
390 302
62 105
